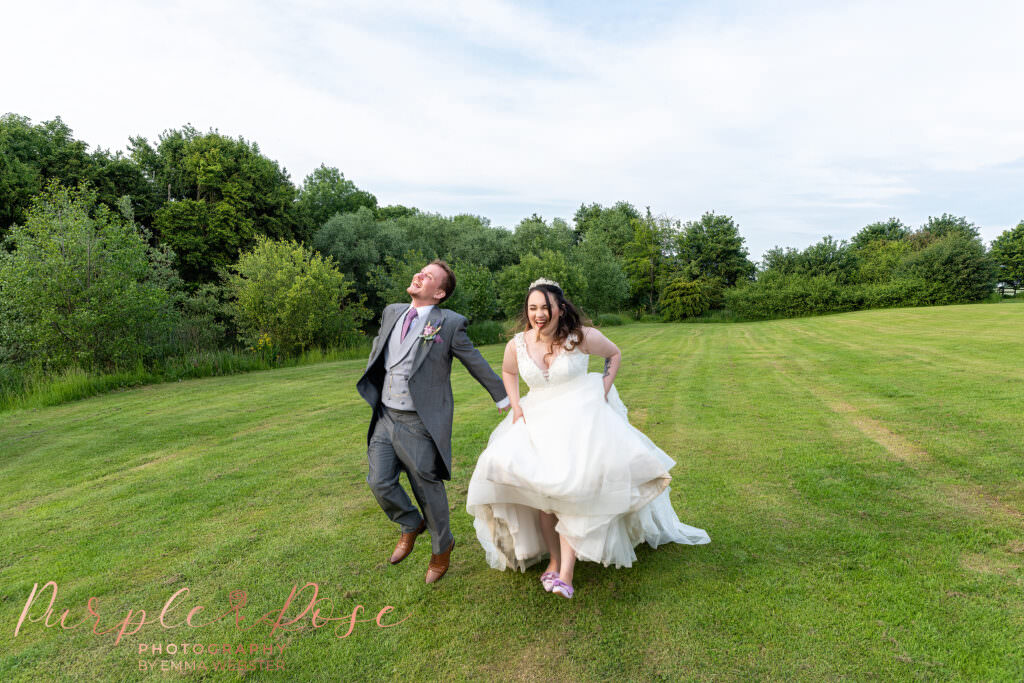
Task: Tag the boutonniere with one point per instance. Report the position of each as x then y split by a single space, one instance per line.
430 333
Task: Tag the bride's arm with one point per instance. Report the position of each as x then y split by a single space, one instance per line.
510 377
596 344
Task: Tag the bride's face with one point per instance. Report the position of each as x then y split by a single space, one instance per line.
541 312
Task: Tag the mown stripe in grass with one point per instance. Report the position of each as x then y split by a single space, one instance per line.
829 557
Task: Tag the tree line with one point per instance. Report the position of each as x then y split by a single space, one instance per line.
199 241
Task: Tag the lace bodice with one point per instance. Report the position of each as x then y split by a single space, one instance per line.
565 366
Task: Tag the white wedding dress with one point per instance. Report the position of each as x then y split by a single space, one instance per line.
574 455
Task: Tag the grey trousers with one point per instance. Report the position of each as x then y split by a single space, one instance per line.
400 442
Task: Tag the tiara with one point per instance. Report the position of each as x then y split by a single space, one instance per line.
544 281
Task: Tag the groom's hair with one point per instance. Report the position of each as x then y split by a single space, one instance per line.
449 277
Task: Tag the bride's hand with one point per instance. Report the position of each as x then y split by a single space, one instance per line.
517 413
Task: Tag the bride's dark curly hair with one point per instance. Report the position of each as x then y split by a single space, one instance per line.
570 320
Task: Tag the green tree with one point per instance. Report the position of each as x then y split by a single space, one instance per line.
892 229
395 211
288 298
879 261
647 259
956 269
947 224
682 299
392 277
780 261
81 286
434 235
221 194
611 225
533 235
605 286
360 245
475 294
1008 253
514 280
827 257
475 241
205 238
369 250
326 192
713 248
31 155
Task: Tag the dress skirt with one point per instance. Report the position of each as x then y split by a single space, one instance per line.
576 456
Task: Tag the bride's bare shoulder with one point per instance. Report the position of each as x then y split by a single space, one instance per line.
510 355
592 338
517 338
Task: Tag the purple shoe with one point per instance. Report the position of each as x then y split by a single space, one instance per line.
561 588
547 579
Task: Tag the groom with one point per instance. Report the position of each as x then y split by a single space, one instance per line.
408 384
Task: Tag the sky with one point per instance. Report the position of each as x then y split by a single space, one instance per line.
798 119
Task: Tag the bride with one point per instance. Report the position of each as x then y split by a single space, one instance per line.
565 474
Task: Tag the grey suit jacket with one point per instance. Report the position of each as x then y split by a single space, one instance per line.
430 379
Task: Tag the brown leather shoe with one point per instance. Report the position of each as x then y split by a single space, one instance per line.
439 564
406 542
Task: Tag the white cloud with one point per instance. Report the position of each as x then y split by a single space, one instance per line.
801 121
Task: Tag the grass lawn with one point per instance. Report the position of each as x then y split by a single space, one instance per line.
861 477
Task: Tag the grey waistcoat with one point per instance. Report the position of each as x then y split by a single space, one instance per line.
398 360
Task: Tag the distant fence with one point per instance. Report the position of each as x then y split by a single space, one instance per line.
1007 290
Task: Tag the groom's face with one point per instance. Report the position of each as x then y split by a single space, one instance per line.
428 284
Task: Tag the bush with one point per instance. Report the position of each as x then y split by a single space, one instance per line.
486 332
81 286
1008 253
797 296
204 325
683 299
715 316
791 297
609 320
879 260
286 299
605 286
642 316
895 293
25 388
714 289
475 295
955 268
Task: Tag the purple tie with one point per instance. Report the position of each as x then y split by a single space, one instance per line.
408 322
